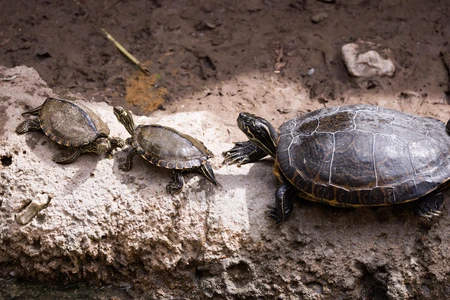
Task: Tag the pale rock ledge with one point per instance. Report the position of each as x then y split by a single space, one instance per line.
90 222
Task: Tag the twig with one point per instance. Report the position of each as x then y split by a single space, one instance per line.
126 53
9 78
114 4
279 64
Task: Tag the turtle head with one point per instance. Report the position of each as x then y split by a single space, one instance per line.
103 145
124 116
100 145
259 131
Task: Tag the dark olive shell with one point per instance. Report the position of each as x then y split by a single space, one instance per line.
364 155
70 124
166 147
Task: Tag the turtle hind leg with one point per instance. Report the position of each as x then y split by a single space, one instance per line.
28 125
430 205
175 186
208 172
67 159
35 111
284 204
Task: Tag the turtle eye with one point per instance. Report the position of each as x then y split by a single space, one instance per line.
123 113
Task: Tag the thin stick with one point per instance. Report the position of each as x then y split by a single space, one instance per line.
9 78
126 53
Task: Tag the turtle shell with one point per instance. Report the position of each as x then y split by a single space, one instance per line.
70 124
362 155
166 147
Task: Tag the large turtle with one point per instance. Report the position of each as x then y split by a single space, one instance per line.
167 148
72 125
356 155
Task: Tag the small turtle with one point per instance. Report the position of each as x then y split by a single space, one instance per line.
167 148
349 156
72 125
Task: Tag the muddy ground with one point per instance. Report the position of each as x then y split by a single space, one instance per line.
221 55
274 58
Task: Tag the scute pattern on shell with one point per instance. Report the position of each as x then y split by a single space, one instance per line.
70 124
364 155
167 148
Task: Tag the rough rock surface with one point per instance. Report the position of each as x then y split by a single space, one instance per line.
108 227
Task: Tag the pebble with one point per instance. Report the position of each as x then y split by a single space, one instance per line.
319 17
368 64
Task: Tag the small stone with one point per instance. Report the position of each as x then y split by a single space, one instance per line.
32 209
368 64
319 17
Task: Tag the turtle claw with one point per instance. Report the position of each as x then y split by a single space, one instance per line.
431 215
283 203
173 189
275 215
430 205
243 153
235 158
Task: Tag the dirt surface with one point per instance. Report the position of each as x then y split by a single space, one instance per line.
222 55
274 58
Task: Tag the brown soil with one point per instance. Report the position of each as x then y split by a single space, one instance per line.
227 55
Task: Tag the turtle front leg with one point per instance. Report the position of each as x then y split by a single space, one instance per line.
175 186
67 159
284 204
128 164
28 125
243 153
430 205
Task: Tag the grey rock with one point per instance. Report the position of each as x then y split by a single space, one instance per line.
319 17
88 221
367 64
32 209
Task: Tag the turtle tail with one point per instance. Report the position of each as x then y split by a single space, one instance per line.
207 171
